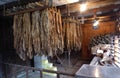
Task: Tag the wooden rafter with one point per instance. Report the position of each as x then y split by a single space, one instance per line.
105 9
100 6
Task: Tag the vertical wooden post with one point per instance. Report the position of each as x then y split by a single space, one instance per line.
69 60
26 73
6 71
58 75
1 68
14 72
41 75
50 3
4 12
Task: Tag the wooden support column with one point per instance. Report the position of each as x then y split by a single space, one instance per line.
0 66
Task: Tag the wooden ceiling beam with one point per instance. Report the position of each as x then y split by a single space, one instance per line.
91 11
27 10
106 16
99 5
17 3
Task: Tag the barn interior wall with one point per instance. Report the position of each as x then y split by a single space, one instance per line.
89 33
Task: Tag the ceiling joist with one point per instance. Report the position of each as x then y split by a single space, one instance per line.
99 11
101 7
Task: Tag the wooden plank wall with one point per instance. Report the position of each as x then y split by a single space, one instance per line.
89 32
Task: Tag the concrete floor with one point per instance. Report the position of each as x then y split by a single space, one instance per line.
72 69
67 67
70 66
34 75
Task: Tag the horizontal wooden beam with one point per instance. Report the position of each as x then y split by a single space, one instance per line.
27 10
91 11
100 6
111 16
17 3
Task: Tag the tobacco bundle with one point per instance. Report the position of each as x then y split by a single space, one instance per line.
42 32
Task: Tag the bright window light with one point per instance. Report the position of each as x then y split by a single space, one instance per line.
97 72
71 1
96 22
83 7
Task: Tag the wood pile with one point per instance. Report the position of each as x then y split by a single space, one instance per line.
42 32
